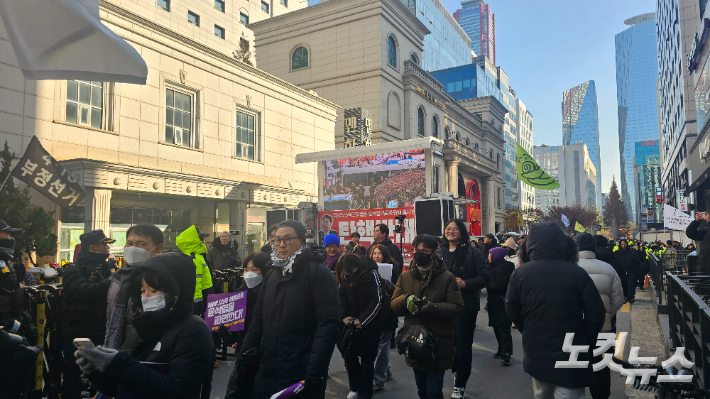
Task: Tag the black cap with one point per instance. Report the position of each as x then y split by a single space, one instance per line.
586 242
5 227
201 234
95 237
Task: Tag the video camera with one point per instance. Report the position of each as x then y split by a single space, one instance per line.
399 227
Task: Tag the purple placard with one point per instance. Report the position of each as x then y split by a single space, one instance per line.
226 310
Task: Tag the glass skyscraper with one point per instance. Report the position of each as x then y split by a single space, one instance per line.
447 45
636 74
580 123
476 18
647 174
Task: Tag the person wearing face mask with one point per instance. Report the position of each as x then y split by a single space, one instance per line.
170 353
143 241
429 295
191 244
331 242
85 295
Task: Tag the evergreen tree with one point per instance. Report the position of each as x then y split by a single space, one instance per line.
17 210
615 213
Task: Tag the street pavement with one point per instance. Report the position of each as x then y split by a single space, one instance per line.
489 378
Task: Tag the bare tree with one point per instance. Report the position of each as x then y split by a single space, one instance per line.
243 53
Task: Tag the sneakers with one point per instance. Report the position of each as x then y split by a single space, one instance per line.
459 393
632 300
505 359
497 354
352 395
389 374
377 387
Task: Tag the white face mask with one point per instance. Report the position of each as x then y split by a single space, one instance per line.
153 303
134 256
252 279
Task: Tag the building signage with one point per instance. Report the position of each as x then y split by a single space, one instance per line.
649 143
681 201
358 127
659 195
430 97
698 44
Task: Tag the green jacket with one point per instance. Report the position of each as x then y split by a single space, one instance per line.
189 243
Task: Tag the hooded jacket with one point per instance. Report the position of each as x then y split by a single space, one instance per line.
190 244
171 335
220 256
627 259
703 238
85 292
468 264
549 297
363 300
442 292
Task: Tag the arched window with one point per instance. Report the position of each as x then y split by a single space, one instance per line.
392 51
299 59
435 127
447 133
475 146
393 110
420 122
414 58
466 142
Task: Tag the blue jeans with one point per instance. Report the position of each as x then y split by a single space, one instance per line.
382 365
430 384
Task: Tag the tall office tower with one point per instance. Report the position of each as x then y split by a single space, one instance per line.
636 74
580 123
676 100
510 134
447 45
572 167
526 194
476 18
546 157
647 177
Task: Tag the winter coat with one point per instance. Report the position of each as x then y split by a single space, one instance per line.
358 249
396 255
221 257
703 238
363 299
605 254
496 289
189 243
84 296
171 335
608 284
446 304
295 326
549 297
627 259
118 312
468 264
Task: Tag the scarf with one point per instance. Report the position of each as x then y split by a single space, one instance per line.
284 265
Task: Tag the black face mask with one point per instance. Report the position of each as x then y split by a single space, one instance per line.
422 259
8 243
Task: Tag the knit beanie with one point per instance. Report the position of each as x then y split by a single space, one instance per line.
586 242
331 239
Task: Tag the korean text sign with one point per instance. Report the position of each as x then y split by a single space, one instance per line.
226 310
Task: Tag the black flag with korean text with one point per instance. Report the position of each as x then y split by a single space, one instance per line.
42 172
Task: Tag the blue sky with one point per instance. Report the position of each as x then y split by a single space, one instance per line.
547 47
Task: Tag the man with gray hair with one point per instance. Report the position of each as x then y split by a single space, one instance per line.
223 254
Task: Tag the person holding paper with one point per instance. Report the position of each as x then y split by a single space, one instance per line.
170 354
383 371
694 233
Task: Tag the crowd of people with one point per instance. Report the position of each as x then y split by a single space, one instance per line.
305 300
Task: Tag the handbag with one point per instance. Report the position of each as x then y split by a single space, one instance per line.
415 342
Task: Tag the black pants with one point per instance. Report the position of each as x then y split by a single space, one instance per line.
631 283
601 385
505 339
430 384
71 375
465 327
360 360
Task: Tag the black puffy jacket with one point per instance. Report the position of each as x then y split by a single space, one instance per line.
549 297
85 291
172 336
496 290
626 259
294 330
365 298
703 238
468 264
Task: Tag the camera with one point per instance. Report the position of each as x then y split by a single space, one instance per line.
233 232
398 228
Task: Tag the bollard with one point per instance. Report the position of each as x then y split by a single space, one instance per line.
225 284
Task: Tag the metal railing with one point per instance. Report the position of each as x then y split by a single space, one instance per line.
469 153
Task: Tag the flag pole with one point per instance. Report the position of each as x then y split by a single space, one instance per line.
8 176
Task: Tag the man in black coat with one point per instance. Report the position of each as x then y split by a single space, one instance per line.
85 293
694 233
627 259
469 266
489 241
381 236
548 297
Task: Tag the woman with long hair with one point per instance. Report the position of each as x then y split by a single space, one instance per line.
390 322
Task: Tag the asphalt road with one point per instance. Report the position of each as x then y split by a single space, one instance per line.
489 378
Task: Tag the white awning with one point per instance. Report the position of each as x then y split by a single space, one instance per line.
363 151
66 40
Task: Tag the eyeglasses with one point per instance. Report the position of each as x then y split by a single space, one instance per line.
451 229
425 252
286 240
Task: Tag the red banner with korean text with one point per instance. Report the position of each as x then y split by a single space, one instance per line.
343 223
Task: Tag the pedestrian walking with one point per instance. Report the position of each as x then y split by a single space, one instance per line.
363 302
694 233
381 236
470 268
429 295
489 241
331 243
355 246
610 289
190 242
170 353
644 266
295 321
549 296
511 255
626 258
390 322
501 269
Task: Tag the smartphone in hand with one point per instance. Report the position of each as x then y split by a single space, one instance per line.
82 343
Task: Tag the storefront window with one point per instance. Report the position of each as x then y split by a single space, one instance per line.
171 222
72 227
255 237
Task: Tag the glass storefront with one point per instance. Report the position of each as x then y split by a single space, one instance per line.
171 222
72 226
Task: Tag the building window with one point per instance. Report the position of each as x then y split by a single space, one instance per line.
85 103
447 133
414 58
391 51
219 5
243 18
164 4
284 3
193 18
498 198
498 162
490 154
475 146
435 127
219 31
265 7
435 179
299 59
393 110
420 122
466 142
245 136
178 118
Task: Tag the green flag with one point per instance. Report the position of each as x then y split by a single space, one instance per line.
531 173
579 227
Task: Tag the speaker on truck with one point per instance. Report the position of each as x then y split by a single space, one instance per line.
430 214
